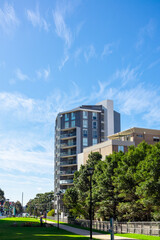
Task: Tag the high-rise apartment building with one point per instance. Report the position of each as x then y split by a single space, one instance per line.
76 129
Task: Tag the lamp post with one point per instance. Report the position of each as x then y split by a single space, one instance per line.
90 173
58 196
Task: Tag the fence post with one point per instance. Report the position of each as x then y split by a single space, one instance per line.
150 232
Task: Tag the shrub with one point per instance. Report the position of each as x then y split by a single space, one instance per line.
51 213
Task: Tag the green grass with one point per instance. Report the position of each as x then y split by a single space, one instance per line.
19 232
138 236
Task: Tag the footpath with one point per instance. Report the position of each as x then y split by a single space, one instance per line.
86 233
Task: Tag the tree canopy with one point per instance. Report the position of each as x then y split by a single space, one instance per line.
126 186
41 203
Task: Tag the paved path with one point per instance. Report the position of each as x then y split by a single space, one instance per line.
87 233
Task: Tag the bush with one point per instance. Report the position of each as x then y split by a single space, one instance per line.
51 213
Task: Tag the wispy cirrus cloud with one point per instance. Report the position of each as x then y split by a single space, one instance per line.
36 19
8 18
151 65
44 73
90 53
63 10
107 50
126 75
20 75
145 32
61 28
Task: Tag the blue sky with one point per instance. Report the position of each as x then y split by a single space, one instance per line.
56 55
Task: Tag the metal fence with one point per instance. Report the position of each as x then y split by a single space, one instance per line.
146 228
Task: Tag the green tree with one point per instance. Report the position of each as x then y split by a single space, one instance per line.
76 199
18 207
104 192
126 182
148 173
41 203
2 194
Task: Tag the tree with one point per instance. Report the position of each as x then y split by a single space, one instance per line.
41 203
76 199
2 195
18 207
104 194
126 183
148 189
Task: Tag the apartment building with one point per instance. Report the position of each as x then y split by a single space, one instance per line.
120 142
77 129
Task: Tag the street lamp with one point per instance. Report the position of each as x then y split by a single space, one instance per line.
90 172
58 196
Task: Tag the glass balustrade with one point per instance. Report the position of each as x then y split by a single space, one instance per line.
66 181
68 162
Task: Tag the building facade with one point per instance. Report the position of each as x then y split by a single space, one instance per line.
77 129
120 142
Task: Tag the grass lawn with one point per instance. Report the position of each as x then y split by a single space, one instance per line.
34 232
138 236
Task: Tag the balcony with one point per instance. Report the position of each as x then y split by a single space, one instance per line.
69 172
68 135
68 154
69 181
68 145
68 163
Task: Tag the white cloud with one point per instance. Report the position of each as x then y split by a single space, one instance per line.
107 50
154 63
37 20
65 59
145 32
61 28
8 18
90 53
43 73
126 75
21 76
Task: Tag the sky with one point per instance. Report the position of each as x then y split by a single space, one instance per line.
57 55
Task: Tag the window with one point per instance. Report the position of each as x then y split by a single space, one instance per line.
94 124
85 133
120 148
73 123
67 117
73 116
139 135
156 139
94 133
94 116
85 123
85 114
85 142
94 141
66 124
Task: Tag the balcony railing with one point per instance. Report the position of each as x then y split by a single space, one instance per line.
68 144
67 172
66 181
68 135
67 154
68 162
